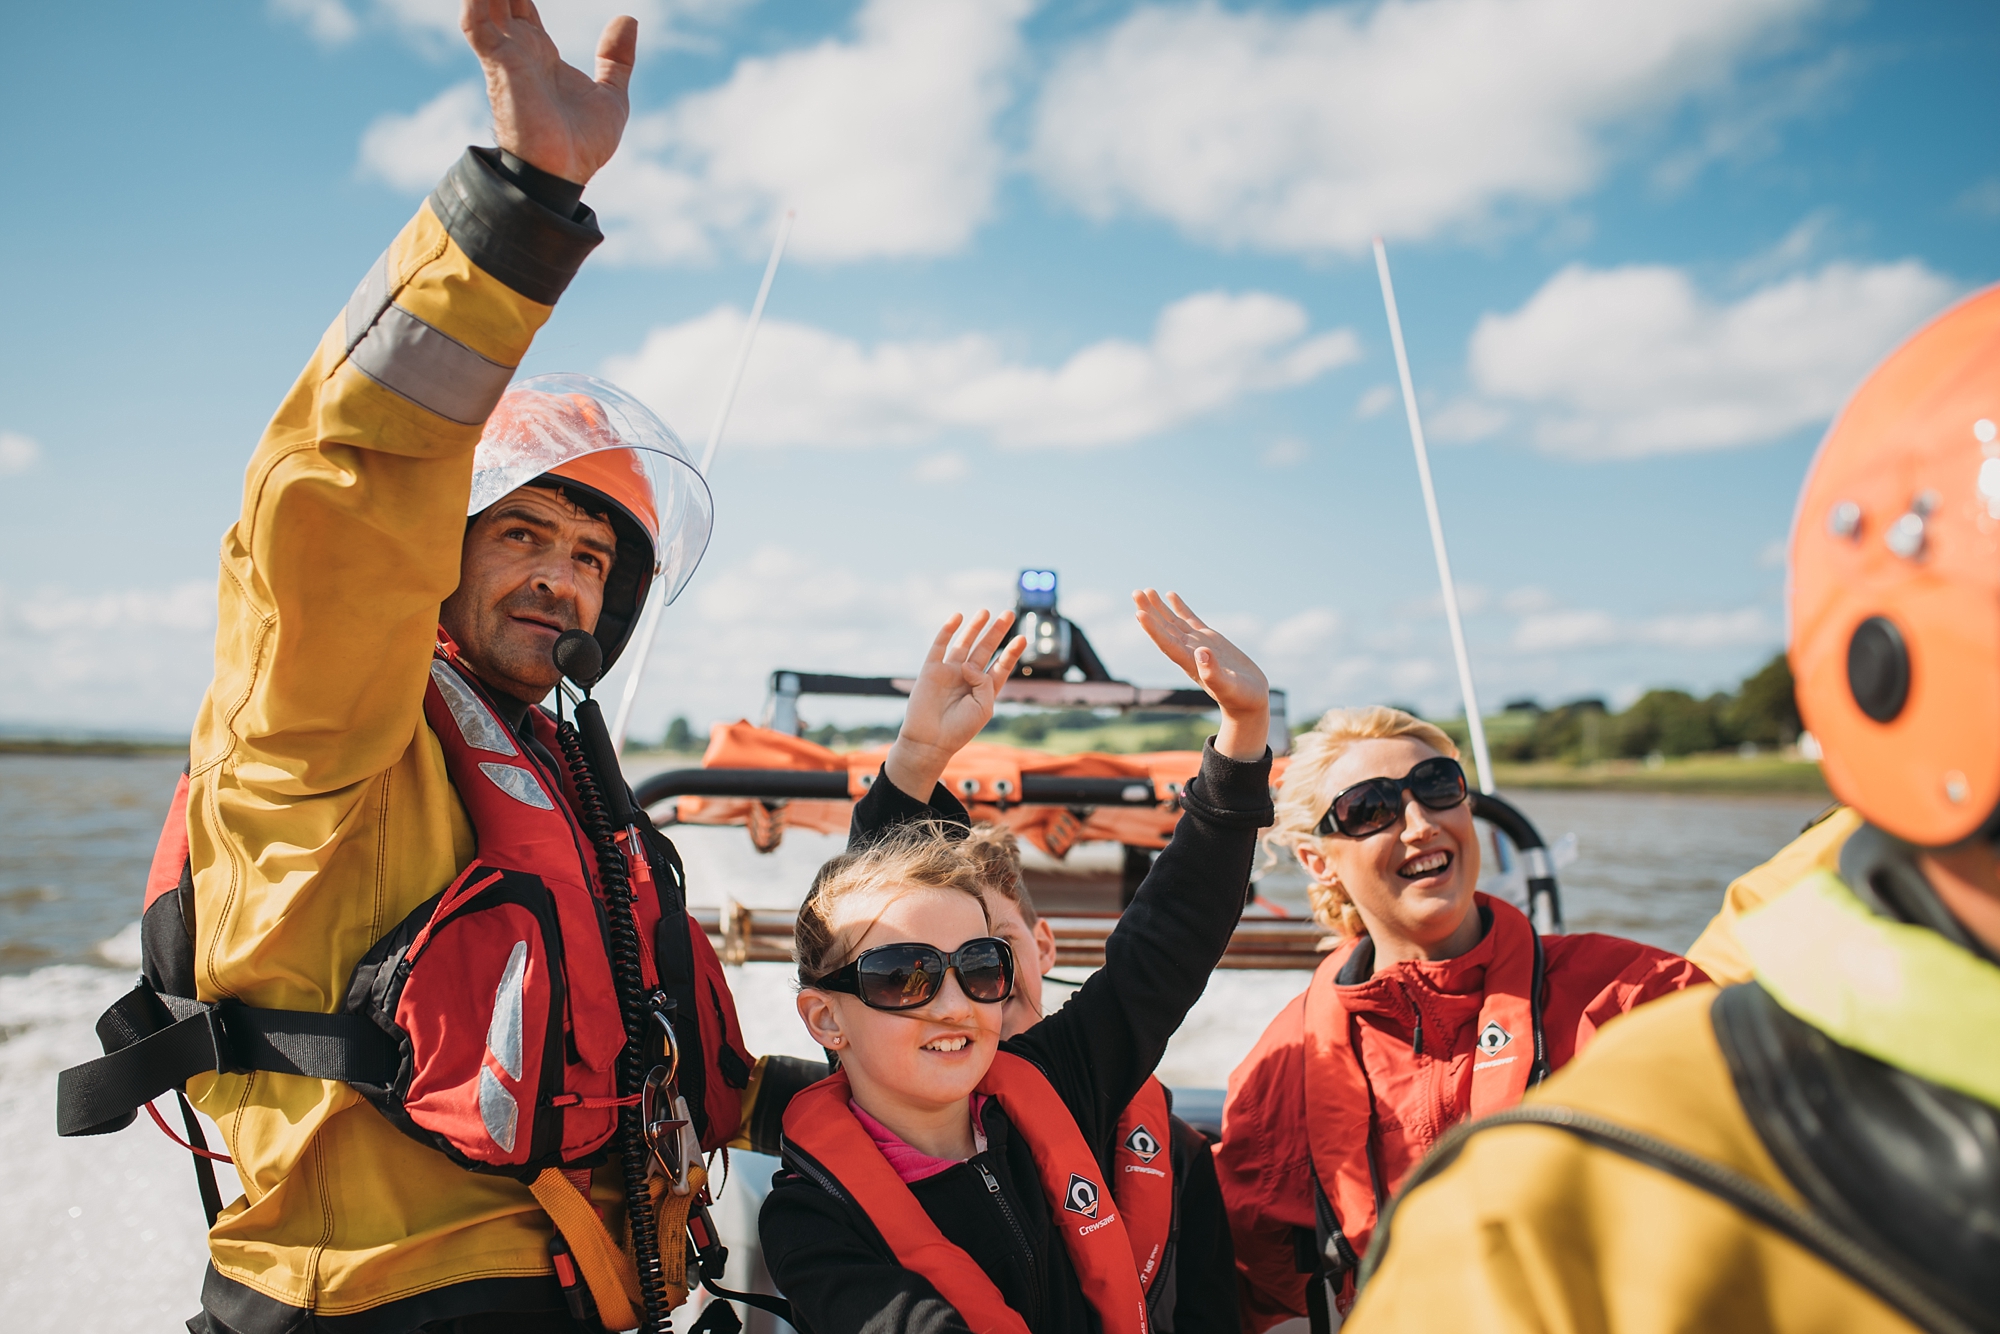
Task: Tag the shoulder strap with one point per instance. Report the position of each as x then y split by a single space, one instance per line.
1808 1231
1142 1181
155 1042
820 1122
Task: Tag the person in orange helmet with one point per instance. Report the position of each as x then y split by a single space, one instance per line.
437 995
1816 1147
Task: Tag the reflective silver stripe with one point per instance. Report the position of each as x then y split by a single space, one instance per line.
503 1035
476 722
517 783
430 368
498 1109
368 301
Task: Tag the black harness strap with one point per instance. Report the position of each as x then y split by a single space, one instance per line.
1867 1267
155 1042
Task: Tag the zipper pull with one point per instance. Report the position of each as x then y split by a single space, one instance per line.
992 1182
1417 1035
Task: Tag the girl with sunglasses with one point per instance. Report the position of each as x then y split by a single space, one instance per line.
945 1180
1439 1004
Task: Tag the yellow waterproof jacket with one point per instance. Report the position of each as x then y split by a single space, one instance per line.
1717 951
319 811
1533 1229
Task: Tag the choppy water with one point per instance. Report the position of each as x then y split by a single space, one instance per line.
106 1234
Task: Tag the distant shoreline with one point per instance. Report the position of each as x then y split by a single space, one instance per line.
1718 774
91 747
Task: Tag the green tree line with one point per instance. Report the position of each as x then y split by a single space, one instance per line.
1761 711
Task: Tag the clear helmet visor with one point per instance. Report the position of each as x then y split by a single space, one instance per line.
594 434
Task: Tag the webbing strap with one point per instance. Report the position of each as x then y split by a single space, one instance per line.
613 1282
1867 1267
155 1042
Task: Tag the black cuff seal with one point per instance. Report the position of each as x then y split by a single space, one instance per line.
507 233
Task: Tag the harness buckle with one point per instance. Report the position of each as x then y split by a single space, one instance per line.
228 1049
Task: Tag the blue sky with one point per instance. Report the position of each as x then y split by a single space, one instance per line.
1081 285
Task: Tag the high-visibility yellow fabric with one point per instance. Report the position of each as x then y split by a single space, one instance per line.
1717 952
1533 1229
320 813
1900 993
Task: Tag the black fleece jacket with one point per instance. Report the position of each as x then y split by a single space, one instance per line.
830 1261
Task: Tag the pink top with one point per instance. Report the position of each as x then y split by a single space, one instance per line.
914 1164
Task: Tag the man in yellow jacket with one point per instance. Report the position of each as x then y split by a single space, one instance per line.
320 813
1817 1147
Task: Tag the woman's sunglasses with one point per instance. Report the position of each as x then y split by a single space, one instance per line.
1370 807
908 976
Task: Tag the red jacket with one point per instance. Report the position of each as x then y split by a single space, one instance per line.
1422 1068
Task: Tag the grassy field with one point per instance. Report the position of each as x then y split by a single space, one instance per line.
1723 773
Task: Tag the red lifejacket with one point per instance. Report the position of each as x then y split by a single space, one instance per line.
1338 1113
498 990
1142 1177
820 1121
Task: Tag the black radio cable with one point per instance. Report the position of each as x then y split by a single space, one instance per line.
581 660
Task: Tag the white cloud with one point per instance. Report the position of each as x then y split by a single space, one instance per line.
330 22
1315 131
411 152
132 658
882 143
1286 452
945 467
1528 598
432 25
1551 630
808 386
1625 362
1376 401
18 452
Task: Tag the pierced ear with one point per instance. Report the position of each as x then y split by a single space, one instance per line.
821 1019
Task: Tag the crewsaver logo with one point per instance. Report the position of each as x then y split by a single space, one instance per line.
1142 1144
1081 1197
1493 1037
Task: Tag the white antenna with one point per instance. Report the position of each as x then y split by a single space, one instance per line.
649 625
1473 721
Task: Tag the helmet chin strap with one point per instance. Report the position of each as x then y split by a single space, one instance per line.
1882 871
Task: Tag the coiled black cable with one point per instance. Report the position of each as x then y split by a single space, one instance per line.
631 985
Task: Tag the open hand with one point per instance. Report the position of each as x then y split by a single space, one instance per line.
952 699
549 114
1217 666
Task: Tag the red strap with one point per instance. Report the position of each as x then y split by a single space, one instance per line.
1142 1166
161 1122
170 854
1095 1236
820 1121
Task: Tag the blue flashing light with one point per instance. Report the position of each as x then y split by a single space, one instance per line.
1038 590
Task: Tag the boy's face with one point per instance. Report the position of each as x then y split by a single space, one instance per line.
1034 954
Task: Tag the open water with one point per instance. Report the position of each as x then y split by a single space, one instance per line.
106 1234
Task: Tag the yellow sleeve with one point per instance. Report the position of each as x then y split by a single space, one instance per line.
1716 952
354 502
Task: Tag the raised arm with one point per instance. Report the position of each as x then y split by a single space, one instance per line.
951 701
1100 1047
354 501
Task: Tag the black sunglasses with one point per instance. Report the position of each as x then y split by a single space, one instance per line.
1371 806
908 976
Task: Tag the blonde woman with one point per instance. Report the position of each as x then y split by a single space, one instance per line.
1439 1004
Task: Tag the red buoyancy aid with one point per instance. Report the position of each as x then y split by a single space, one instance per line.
1142 1180
496 994
820 1121
1338 1113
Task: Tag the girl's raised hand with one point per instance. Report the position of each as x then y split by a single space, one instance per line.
1217 666
952 699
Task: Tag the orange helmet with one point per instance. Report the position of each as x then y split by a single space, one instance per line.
1895 585
597 439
